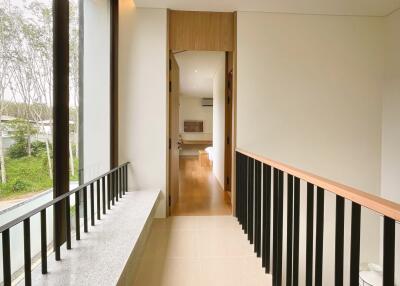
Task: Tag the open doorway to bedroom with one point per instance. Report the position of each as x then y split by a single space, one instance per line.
199 103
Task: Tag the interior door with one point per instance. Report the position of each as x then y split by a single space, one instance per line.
174 140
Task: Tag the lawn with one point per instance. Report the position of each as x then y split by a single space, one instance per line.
27 175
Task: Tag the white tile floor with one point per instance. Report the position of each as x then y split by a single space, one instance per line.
194 251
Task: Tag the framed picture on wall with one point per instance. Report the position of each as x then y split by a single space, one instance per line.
193 126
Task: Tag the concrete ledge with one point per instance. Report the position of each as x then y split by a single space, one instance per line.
107 255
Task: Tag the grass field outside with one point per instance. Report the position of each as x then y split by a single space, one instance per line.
28 175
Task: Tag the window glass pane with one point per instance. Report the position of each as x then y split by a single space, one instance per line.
74 91
26 98
26 91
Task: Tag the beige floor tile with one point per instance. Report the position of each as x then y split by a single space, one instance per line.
217 222
156 246
194 251
182 223
222 271
177 271
181 244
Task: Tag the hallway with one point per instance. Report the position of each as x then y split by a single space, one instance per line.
200 192
199 250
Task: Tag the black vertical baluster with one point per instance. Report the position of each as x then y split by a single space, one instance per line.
310 234
103 191
116 184
77 216
92 204
319 237
250 207
389 233
296 231
289 230
257 231
339 241
275 211
238 190
112 177
5 236
98 198
120 182
246 194
56 236
123 179
240 199
266 218
108 191
355 243
126 178
68 222
27 252
85 210
43 240
280 229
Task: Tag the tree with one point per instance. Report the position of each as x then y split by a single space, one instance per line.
37 35
74 79
7 44
21 129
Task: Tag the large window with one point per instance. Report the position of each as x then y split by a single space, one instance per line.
26 90
26 112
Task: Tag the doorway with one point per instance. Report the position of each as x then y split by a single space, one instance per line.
201 116
198 107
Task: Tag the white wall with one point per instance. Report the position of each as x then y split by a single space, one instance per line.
96 98
219 124
391 120
309 94
143 97
190 108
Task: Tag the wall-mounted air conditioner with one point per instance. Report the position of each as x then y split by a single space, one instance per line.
207 101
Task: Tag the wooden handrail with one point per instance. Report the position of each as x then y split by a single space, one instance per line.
385 207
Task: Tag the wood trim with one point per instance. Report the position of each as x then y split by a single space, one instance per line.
114 21
193 30
168 174
197 142
372 202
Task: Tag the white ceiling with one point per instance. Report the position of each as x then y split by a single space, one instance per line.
197 70
331 7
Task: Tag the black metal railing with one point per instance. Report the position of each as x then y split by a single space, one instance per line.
259 198
117 186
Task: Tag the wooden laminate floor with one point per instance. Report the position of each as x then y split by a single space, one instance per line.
199 191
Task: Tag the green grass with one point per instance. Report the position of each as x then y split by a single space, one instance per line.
27 175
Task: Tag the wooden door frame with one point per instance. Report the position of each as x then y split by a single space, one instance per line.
233 105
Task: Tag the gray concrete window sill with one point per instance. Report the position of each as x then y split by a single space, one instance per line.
108 253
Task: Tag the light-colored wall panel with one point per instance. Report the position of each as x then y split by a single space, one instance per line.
143 97
391 120
309 95
219 124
